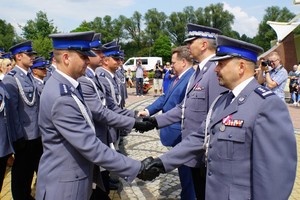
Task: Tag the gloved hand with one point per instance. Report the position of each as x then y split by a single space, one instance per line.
143 126
156 164
152 120
147 175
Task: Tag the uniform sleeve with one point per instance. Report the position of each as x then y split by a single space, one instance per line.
72 126
170 117
157 105
274 152
110 101
100 113
12 89
189 148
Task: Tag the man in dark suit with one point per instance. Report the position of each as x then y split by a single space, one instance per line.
71 147
248 137
171 135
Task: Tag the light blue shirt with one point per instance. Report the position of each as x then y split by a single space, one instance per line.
280 76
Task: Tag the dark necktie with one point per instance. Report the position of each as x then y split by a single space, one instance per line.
197 72
29 76
80 90
229 98
175 81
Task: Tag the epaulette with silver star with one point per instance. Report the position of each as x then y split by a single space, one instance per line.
12 73
102 74
263 92
64 89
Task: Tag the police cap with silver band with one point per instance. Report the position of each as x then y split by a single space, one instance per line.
96 43
228 48
39 63
198 31
24 47
79 41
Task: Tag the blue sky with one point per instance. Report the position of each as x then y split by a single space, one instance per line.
68 14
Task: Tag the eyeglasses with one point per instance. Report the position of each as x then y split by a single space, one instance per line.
273 61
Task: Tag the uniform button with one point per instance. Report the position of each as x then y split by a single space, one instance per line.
210 146
76 176
213 132
209 160
209 173
230 136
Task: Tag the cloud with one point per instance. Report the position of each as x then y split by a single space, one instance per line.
243 23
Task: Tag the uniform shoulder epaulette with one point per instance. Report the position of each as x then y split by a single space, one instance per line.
102 74
263 92
12 72
64 89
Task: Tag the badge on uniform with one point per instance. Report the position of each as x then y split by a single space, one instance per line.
197 87
228 121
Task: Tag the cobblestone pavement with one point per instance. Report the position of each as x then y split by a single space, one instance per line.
140 146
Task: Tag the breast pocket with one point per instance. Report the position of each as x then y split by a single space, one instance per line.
197 101
231 145
28 91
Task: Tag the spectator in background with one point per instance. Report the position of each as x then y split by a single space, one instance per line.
158 78
167 77
139 78
294 83
129 78
273 75
5 67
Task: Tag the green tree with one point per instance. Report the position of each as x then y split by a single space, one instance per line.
155 24
162 47
39 27
38 31
265 32
7 35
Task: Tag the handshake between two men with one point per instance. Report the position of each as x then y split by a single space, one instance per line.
150 169
144 124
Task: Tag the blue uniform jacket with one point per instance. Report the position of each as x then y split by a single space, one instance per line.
6 122
171 135
71 147
252 151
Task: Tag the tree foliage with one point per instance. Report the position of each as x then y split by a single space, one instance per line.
265 33
7 35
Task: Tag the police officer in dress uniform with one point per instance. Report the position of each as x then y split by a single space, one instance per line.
39 72
6 123
171 135
202 89
249 155
24 107
93 93
107 76
71 147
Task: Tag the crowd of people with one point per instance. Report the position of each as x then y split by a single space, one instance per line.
63 119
